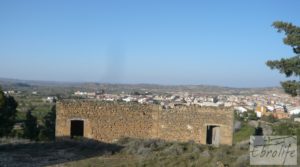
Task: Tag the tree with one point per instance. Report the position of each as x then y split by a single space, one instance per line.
270 118
31 130
48 129
289 66
252 115
8 111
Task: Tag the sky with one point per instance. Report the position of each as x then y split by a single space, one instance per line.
210 42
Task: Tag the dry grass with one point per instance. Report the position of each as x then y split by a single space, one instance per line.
137 152
126 152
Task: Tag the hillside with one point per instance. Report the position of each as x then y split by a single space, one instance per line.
70 87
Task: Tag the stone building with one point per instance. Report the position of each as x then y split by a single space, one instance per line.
109 121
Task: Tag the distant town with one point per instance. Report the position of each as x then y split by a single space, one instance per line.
278 104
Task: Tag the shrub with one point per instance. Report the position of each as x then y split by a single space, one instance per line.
269 118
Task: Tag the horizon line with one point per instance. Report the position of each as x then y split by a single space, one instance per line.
127 83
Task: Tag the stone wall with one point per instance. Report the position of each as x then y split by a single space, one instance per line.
109 121
190 123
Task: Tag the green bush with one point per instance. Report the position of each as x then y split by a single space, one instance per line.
244 133
31 130
252 115
269 118
8 112
47 132
287 129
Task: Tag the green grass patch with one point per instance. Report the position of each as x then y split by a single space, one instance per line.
244 133
40 111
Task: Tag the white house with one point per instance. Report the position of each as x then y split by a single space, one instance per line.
270 108
142 100
209 104
129 99
240 109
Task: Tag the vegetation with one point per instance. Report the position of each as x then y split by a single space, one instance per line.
244 133
8 112
31 129
252 115
245 116
289 66
30 118
269 118
125 152
287 129
48 129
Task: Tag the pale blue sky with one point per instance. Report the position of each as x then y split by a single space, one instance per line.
214 42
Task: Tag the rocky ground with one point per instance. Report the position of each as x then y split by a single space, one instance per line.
126 152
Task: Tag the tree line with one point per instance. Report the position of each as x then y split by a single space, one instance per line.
31 129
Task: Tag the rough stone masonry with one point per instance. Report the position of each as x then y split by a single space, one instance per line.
109 121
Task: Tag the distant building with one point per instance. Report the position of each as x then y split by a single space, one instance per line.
9 92
142 100
129 99
79 93
260 111
270 108
280 115
240 109
50 99
91 94
85 94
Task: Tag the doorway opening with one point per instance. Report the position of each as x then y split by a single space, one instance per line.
77 127
213 135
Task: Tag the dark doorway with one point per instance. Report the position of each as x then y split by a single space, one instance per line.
213 135
77 128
